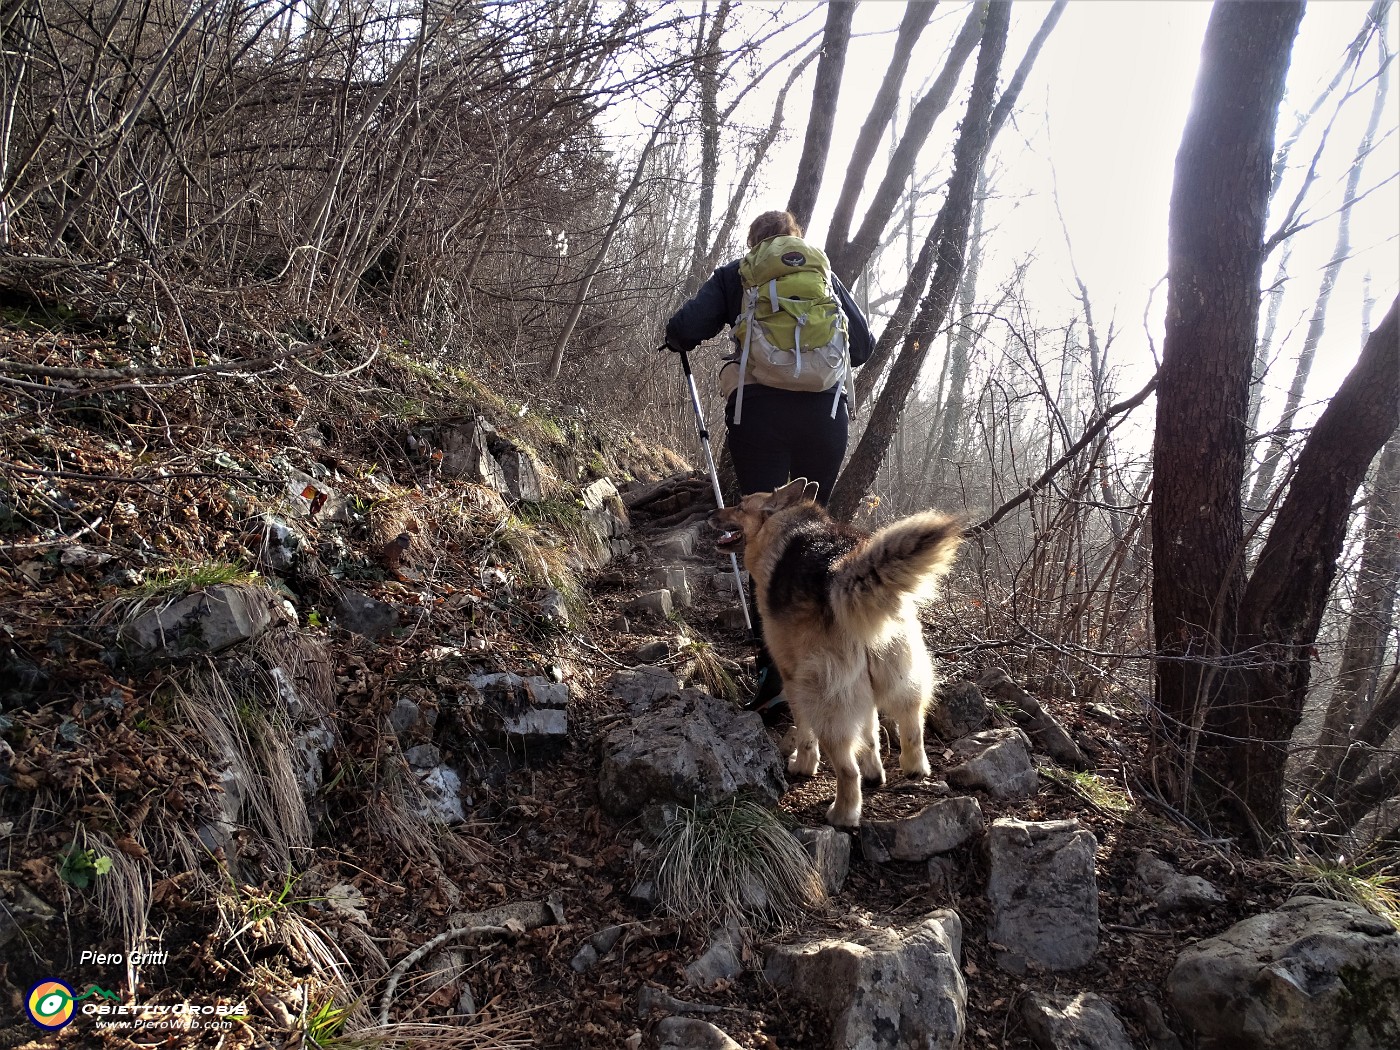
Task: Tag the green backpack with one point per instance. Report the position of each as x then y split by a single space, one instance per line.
791 331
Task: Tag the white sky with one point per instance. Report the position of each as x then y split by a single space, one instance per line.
1116 79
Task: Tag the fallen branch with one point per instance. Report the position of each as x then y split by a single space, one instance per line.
518 918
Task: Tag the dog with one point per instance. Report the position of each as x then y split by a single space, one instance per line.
839 613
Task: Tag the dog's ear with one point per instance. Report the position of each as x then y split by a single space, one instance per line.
786 496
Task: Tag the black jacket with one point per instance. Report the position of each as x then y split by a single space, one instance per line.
720 299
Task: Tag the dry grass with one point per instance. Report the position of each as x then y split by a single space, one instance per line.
735 860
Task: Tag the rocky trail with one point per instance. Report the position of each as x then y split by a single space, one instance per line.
413 753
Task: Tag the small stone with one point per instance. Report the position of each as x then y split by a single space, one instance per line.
961 709
423 756
651 652
654 605
937 828
369 617
585 959
641 687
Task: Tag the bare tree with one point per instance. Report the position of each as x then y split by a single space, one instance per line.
1234 652
968 155
822 118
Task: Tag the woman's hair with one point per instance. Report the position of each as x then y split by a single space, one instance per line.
773 224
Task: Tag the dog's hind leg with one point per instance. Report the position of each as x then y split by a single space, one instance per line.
872 770
906 679
845 810
802 762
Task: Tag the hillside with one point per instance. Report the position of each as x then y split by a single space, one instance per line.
268 825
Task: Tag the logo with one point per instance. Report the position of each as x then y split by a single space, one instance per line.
794 259
50 1005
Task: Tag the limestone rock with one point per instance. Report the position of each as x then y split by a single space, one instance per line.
997 761
689 749
653 605
960 709
674 578
1082 1022
205 621
691 1033
366 616
528 716
519 476
641 687
606 516
1044 894
830 851
1171 890
1314 975
466 454
937 828
883 988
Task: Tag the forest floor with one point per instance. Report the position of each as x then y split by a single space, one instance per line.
147 478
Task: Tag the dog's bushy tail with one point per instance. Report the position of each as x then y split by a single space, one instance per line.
901 561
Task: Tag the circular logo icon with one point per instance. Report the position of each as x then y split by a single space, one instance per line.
794 259
50 1005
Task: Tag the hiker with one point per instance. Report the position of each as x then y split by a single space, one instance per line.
787 409
780 426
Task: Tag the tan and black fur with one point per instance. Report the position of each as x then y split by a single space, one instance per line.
839 611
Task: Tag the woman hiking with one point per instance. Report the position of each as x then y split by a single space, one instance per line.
797 336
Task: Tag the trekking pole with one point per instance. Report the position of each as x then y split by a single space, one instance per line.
714 478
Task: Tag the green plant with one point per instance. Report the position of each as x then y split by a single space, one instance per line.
327 1022
735 859
79 867
193 576
1094 790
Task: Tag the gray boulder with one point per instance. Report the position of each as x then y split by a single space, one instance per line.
937 828
691 1033
369 617
688 749
1081 1022
205 621
1171 890
1044 895
830 851
997 761
1314 975
961 709
883 988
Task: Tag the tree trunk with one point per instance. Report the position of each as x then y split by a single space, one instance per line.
968 156
706 72
823 116
1218 209
1353 725
1283 605
869 376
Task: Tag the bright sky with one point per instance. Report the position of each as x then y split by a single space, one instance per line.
1106 107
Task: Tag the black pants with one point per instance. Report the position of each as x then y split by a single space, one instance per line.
787 434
